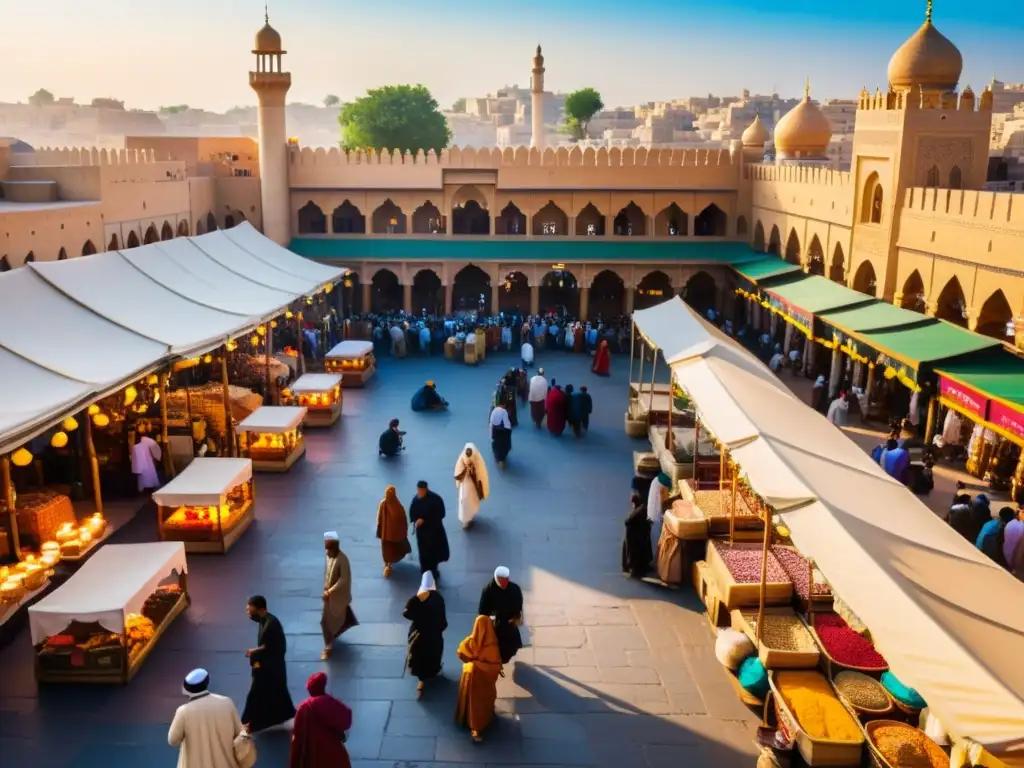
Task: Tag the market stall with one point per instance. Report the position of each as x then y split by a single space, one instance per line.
208 506
320 394
102 624
272 437
354 360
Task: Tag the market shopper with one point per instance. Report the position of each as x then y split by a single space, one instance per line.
478 687
637 553
426 612
205 727
427 513
321 725
501 434
555 409
337 616
268 703
145 455
537 395
472 483
1013 545
392 530
502 600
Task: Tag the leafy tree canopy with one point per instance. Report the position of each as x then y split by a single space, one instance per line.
580 107
459 105
330 100
174 109
404 117
41 98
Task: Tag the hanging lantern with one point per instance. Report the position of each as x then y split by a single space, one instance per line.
255 341
130 394
94 409
328 288
143 408
152 379
273 323
156 398
231 346
70 424
289 315
21 458
309 301
207 359
101 420
262 330
59 439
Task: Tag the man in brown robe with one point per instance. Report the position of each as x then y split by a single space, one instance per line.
392 530
337 616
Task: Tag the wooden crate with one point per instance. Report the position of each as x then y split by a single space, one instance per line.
815 751
773 658
737 595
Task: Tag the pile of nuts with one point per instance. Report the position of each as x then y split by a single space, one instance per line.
744 563
783 632
906 747
799 572
861 691
719 503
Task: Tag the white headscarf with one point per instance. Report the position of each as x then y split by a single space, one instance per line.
478 464
501 572
427 583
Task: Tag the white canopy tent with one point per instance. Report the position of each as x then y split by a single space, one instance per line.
266 250
315 382
948 620
203 482
225 252
351 349
272 419
29 393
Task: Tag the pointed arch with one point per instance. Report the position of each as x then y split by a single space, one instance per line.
672 221
471 218
758 243
133 240
385 292
114 244
630 221
183 228
550 220
471 289
427 293
793 248
775 241
167 231
871 200
211 222
607 295
590 222
5 264
701 292
996 317
654 288
913 297
951 305
837 269
711 222
956 180
151 236
427 220
560 290
511 221
347 219
62 254
388 219
932 177
514 293
816 258
88 249
312 220
741 226
229 221
30 258
865 281
200 230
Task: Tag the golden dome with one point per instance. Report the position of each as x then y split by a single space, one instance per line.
928 59
756 134
804 130
268 40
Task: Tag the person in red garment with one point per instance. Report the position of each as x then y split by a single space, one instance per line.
318 738
602 360
555 408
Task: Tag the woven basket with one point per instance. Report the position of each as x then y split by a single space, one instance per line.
40 515
877 759
863 713
813 751
833 667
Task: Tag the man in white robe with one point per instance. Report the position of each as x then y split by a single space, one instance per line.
337 616
145 454
472 483
538 395
205 728
527 354
658 494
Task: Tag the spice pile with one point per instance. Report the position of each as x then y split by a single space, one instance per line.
818 712
719 504
744 563
862 692
798 570
846 646
905 747
783 632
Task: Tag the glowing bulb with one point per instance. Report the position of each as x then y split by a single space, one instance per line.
262 330
152 379
101 420
208 359
21 458
255 341
328 288
273 323
70 424
93 410
59 439
289 315
130 394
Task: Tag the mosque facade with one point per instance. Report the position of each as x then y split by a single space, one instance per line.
909 223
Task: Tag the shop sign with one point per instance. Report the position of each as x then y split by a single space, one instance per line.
1006 418
965 397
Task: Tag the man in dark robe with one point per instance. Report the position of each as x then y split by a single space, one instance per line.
637 555
502 599
426 611
427 399
390 442
427 513
507 393
268 703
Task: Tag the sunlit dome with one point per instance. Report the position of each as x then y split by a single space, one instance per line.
804 131
756 134
268 40
928 60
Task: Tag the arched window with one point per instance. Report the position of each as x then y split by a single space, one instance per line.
871 201
932 179
955 178
876 205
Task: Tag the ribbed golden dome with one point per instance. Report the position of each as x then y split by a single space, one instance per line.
756 134
804 130
928 59
268 40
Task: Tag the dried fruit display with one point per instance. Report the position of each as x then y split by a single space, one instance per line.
744 563
797 568
844 645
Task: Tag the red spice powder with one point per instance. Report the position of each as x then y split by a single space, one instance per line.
844 645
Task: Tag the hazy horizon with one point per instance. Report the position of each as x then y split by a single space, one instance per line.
188 52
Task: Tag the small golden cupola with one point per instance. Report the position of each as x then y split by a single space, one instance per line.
268 39
804 131
928 60
756 135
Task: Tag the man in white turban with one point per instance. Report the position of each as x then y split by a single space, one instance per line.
472 483
502 600
337 616
205 727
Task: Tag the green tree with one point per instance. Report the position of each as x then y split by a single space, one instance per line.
404 117
580 108
330 100
174 109
41 98
459 105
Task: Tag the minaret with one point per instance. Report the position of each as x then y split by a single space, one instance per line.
271 84
537 102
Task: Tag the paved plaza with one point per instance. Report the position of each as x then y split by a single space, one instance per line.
616 673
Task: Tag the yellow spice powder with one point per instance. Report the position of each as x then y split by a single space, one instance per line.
810 698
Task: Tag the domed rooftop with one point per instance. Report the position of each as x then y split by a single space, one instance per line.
756 134
268 39
804 130
538 59
927 60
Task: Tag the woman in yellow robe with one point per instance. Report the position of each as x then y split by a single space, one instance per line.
392 530
478 688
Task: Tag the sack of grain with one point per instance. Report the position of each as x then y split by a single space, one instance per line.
732 647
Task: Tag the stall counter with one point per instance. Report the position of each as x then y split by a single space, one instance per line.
320 393
272 437
208 506
354 360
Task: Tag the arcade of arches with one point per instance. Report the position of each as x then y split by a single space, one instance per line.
586 292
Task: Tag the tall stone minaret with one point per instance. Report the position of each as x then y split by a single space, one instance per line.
537 102
271 84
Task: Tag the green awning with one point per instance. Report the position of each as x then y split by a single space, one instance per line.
815 295
998 377
927 345
765 268
879 316
551 250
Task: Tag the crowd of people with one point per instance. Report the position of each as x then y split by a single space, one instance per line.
1000 537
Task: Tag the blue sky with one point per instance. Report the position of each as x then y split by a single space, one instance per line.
197 51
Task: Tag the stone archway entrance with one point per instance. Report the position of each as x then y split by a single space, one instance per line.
385 293
560 292
701 293
653 289
607 296
471 290
514 294
427 293
471 219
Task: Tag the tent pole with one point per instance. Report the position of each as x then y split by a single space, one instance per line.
229 427
632 347
640 375
929 426
94 464
763 593
670 441
267 343
732 507
168 461
9 500
654 371
696 442
298 337
721 469
810 591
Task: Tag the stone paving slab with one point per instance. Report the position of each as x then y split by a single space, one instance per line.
616 673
